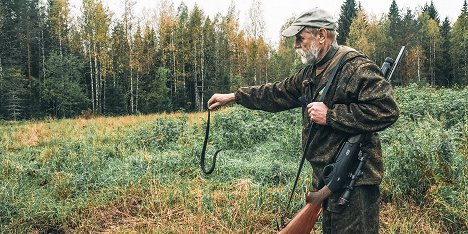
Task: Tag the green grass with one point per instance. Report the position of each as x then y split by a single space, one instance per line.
141 173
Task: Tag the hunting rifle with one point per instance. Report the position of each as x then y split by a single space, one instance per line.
336 175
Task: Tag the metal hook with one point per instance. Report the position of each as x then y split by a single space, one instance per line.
203 153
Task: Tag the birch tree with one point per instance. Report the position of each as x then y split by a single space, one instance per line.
58 16
96 27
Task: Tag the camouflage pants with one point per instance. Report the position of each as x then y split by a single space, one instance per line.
360 216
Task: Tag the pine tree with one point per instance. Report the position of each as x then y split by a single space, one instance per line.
15 95
445 76
431 11
347 15
61 94
459 49
395 32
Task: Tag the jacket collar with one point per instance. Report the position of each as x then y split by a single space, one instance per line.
329 55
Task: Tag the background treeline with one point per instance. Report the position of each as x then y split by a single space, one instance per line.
57 64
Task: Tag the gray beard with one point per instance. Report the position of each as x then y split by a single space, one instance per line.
309 56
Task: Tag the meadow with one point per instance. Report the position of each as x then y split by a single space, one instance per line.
141 174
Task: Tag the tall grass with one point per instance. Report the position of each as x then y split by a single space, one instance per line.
141 173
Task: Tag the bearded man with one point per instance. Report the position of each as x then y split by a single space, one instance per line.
359 101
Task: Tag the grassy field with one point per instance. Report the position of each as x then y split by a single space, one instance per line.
138 174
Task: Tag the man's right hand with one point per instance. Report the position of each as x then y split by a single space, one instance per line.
219 99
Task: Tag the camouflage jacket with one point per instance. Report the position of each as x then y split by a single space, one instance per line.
359 101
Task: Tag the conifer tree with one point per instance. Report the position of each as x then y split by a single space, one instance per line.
459 49
431 11
445 75
395 32
347 15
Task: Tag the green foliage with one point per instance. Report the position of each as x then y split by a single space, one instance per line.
347 14
425 152
448 105
458 51
115 103
13 95
61 94
162 134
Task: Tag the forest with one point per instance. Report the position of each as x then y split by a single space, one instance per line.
56 64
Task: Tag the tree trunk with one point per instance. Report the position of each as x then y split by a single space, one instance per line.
29 65
197 98
202 87
174 62
419 68
43 54
136 95
1 81
464 58
91 76
96 78
131 84
60 43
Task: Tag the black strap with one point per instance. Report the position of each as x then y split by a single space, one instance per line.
203 154
313 131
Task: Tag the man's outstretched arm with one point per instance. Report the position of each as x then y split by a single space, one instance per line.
219 99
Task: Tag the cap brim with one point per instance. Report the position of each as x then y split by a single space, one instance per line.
292 30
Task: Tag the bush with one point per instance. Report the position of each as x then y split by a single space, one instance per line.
162 134
448 105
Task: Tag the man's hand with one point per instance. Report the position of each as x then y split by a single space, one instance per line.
317 112
218 100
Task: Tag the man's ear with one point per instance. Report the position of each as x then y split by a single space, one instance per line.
323 34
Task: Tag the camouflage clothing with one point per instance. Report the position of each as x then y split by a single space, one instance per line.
361 216
359 102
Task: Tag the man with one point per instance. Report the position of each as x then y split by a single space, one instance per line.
359 101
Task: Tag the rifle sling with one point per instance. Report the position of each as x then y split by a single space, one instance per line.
313 129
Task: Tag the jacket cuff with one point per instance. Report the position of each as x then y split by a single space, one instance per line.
237 97
328 121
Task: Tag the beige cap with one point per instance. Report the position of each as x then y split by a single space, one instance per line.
315 18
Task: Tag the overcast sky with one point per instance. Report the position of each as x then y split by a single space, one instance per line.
276 12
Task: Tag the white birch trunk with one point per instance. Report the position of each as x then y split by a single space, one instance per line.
202 87
131 82
91 76
197 98
96 78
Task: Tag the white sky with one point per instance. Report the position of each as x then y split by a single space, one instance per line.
276 12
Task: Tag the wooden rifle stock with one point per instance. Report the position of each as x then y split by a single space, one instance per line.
305 219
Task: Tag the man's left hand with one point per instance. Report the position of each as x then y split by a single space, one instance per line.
317 112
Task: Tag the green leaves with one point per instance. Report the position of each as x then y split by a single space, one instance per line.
61 94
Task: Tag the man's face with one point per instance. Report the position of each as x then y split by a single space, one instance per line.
307 46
